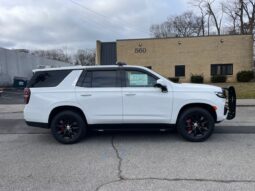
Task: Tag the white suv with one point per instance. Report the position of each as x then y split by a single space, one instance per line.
72 100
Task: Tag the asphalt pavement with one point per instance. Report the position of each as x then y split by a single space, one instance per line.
111 162
11 96
30 159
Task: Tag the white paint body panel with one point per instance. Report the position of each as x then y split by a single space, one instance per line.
101 105
121 105
44 100
146 105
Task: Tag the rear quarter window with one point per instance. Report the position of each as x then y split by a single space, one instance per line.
48 78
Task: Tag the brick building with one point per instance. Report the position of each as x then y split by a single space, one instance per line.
182 57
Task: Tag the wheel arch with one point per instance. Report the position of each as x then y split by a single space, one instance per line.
205 106
65 108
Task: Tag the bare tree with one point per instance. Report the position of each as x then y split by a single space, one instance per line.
242 12
249 9
54 54
211 12
162 30
85 57
187 24
203 13
241 15
208 24
232 10
184 25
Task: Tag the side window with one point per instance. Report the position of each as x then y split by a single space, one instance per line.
135 78
104 78
88 79
48 78
99 79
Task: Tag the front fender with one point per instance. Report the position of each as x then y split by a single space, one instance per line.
180 101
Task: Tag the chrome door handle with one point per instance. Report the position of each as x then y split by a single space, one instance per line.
130 94
86 95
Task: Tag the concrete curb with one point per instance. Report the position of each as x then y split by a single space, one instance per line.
245 105
245 102
11 108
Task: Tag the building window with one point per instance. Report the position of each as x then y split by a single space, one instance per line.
179 70
221 69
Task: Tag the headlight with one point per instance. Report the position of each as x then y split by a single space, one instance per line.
221 94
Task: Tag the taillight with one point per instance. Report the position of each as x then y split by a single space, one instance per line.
26 95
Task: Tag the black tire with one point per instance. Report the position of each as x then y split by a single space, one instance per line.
195 124
68 127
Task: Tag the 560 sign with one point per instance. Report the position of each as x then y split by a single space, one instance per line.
140 50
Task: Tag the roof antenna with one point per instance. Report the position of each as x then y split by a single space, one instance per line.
121 63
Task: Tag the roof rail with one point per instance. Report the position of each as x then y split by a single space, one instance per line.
121 63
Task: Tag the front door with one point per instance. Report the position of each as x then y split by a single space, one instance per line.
142 102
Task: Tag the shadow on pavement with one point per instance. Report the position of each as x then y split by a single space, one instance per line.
18 126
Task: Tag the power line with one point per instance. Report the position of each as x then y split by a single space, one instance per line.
90 10
104 16
99 26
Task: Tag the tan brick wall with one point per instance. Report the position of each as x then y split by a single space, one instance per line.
196 53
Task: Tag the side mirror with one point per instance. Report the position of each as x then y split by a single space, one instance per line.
161 84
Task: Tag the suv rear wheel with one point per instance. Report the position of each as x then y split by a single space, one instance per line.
195 124
68 127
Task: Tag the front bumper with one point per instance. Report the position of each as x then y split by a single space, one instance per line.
230 107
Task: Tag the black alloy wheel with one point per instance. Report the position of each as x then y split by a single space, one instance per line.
196 124
68 127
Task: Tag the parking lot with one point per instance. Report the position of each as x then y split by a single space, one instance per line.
127 162
11 96
32 160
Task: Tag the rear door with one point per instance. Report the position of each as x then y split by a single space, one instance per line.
98 91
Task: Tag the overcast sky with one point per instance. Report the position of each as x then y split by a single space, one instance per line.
74 24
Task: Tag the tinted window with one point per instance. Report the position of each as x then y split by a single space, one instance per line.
81 79
85 79
221 69
135 78
88 79
48 78
104 79
179 70
99 78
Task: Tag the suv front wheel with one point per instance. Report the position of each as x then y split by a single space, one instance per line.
68 127
195 124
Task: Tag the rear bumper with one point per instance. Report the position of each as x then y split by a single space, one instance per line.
36 124
35 114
